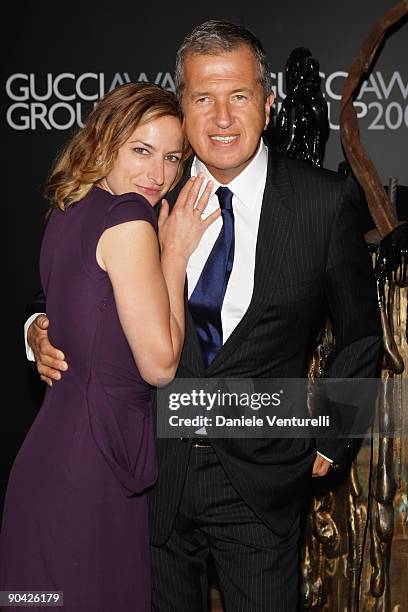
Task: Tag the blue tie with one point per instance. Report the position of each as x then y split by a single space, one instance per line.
208 295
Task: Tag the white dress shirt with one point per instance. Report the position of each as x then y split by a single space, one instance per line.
248 188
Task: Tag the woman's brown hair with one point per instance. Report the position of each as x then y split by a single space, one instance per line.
89 155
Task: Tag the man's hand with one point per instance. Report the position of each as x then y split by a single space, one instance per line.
320 466
49 360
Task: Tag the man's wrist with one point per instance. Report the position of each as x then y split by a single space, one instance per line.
29 352
324 457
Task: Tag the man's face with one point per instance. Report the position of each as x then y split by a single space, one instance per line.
224 110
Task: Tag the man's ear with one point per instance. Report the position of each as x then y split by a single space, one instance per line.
268 105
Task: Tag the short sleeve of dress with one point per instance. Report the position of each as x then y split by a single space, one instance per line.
103 210
130 207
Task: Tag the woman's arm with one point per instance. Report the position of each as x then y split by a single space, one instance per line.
130 255
149 293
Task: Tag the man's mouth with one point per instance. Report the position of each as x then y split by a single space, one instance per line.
224 139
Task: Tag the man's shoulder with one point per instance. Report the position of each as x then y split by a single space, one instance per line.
301 173
307 188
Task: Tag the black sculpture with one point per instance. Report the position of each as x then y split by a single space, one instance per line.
302 125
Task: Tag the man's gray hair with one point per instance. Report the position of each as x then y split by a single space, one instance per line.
215 37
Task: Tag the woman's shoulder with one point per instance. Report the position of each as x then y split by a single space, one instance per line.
113 209
126 207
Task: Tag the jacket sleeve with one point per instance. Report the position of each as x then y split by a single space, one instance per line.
37 305
350 291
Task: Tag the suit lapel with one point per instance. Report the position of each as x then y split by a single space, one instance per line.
191 332
275 225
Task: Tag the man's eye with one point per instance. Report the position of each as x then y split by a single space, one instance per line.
240 97
203 99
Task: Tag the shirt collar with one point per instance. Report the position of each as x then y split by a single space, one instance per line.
248 183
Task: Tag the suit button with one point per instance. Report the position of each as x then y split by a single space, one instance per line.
103 304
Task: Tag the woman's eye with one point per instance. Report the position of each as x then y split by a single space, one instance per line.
173 158
141 151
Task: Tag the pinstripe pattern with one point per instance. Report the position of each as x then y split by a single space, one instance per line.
310 256
256 568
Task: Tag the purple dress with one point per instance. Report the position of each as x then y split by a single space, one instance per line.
75 516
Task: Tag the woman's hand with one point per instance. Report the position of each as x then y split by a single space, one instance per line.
181 230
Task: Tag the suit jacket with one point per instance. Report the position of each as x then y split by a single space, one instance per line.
310 258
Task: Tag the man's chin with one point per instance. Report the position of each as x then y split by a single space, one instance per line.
225 168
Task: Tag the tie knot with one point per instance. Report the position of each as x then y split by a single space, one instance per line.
225 198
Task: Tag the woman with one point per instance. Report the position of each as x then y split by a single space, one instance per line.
75 518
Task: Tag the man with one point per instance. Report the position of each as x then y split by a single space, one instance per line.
289 242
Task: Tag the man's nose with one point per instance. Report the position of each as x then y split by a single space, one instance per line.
223 116
155 171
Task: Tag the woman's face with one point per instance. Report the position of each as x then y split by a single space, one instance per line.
148 161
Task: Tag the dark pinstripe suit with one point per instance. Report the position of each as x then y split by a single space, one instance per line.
310 255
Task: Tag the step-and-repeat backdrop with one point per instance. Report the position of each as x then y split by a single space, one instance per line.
62 57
